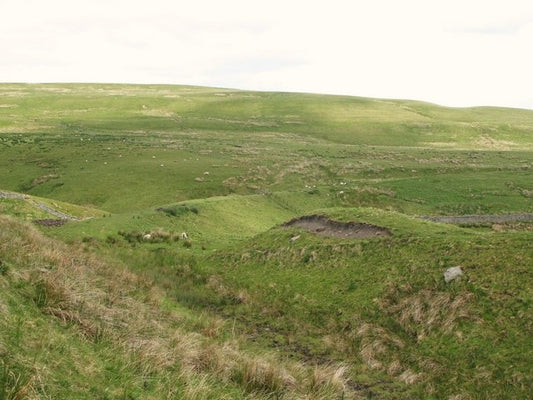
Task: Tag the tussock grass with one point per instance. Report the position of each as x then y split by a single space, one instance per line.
14 384
419 313
261 376
158 235
326 379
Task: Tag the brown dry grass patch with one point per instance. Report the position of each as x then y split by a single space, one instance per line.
421 312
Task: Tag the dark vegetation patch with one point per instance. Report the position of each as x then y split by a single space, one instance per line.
39 181
50 222
154 236
323 226
177 210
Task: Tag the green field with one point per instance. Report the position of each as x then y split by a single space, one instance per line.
115 303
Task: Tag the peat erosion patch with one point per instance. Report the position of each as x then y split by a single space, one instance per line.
323 226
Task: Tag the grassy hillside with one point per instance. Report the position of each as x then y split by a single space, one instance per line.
112 300
77 327
86 144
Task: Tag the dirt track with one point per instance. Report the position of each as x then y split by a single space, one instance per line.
42 206
323 226
480 219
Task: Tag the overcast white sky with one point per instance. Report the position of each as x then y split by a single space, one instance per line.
451 52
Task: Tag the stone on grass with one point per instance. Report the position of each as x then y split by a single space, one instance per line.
294 238
452 273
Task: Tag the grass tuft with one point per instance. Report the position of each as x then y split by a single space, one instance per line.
15 384
420 313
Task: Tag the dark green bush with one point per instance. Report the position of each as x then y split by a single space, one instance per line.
178 210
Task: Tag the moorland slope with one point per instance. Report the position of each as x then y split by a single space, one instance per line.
181 270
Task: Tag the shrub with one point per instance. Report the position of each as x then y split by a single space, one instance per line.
156 236
131 237
177 210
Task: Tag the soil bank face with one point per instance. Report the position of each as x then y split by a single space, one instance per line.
323 226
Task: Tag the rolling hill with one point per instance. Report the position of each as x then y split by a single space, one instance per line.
172 272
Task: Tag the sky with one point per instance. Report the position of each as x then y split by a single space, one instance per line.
450 52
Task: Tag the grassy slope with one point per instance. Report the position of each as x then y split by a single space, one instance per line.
246 162
78 327
322 294
152 144
32 207
379 305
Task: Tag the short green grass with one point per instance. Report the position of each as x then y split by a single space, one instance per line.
161 144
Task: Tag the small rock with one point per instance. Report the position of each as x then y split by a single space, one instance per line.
452 273
294 238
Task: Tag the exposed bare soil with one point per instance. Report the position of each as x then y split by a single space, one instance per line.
323 226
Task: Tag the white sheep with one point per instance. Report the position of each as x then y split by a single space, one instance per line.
147 237
184 235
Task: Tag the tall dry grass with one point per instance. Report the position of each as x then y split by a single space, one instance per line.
420 312
417 314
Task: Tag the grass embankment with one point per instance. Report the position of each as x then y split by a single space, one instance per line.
76 327
379 306
29 207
